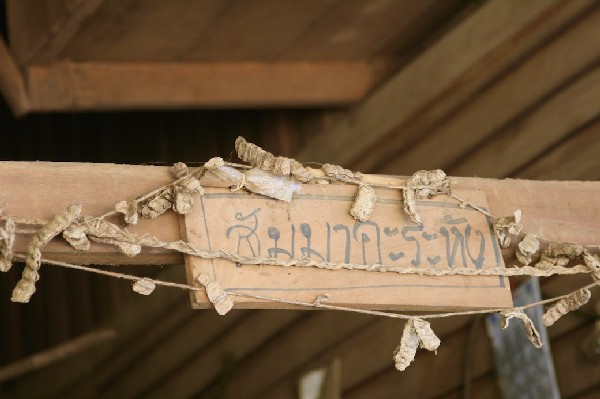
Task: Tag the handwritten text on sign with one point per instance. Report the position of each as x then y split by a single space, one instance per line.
317 225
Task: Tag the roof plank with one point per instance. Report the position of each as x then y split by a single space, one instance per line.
489 40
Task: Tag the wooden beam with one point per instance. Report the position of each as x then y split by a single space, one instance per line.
12 84
71 86
489 41
560 211
55 354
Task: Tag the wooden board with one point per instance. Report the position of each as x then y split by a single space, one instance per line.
69 85
317 224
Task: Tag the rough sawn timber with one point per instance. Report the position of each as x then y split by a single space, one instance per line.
560 211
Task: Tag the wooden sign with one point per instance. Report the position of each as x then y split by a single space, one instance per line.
317 224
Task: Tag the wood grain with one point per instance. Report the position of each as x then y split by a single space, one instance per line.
560 211
533 135
12 83
103 86
436 70
559 62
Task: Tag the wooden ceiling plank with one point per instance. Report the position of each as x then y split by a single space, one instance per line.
121 360
12 83
577 374
174 354
353 29
538 76
488 41
363 353
70 86
62 30
485 386
253 30
448 364
55 354
135 319
28 26
203 366
366 353
430 374
293 347
148 31
511 148
574 159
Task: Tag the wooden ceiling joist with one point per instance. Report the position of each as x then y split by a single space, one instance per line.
68 86
490 40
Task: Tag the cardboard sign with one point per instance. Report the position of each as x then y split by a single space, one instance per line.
317 224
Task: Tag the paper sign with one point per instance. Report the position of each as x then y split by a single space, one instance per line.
317 224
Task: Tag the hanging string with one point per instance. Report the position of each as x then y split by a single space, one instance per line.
316 304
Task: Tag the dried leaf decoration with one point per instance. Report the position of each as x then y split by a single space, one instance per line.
593 262
266 161
423 184
98 230
177 196
129 211
527 247
7 240
76 237
144 286
158 204
572 302
364 203
417 332
26 286
507 225
559 254
216 294
532 333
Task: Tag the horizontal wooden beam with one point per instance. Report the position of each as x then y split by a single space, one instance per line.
491 40
561 211
72 86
